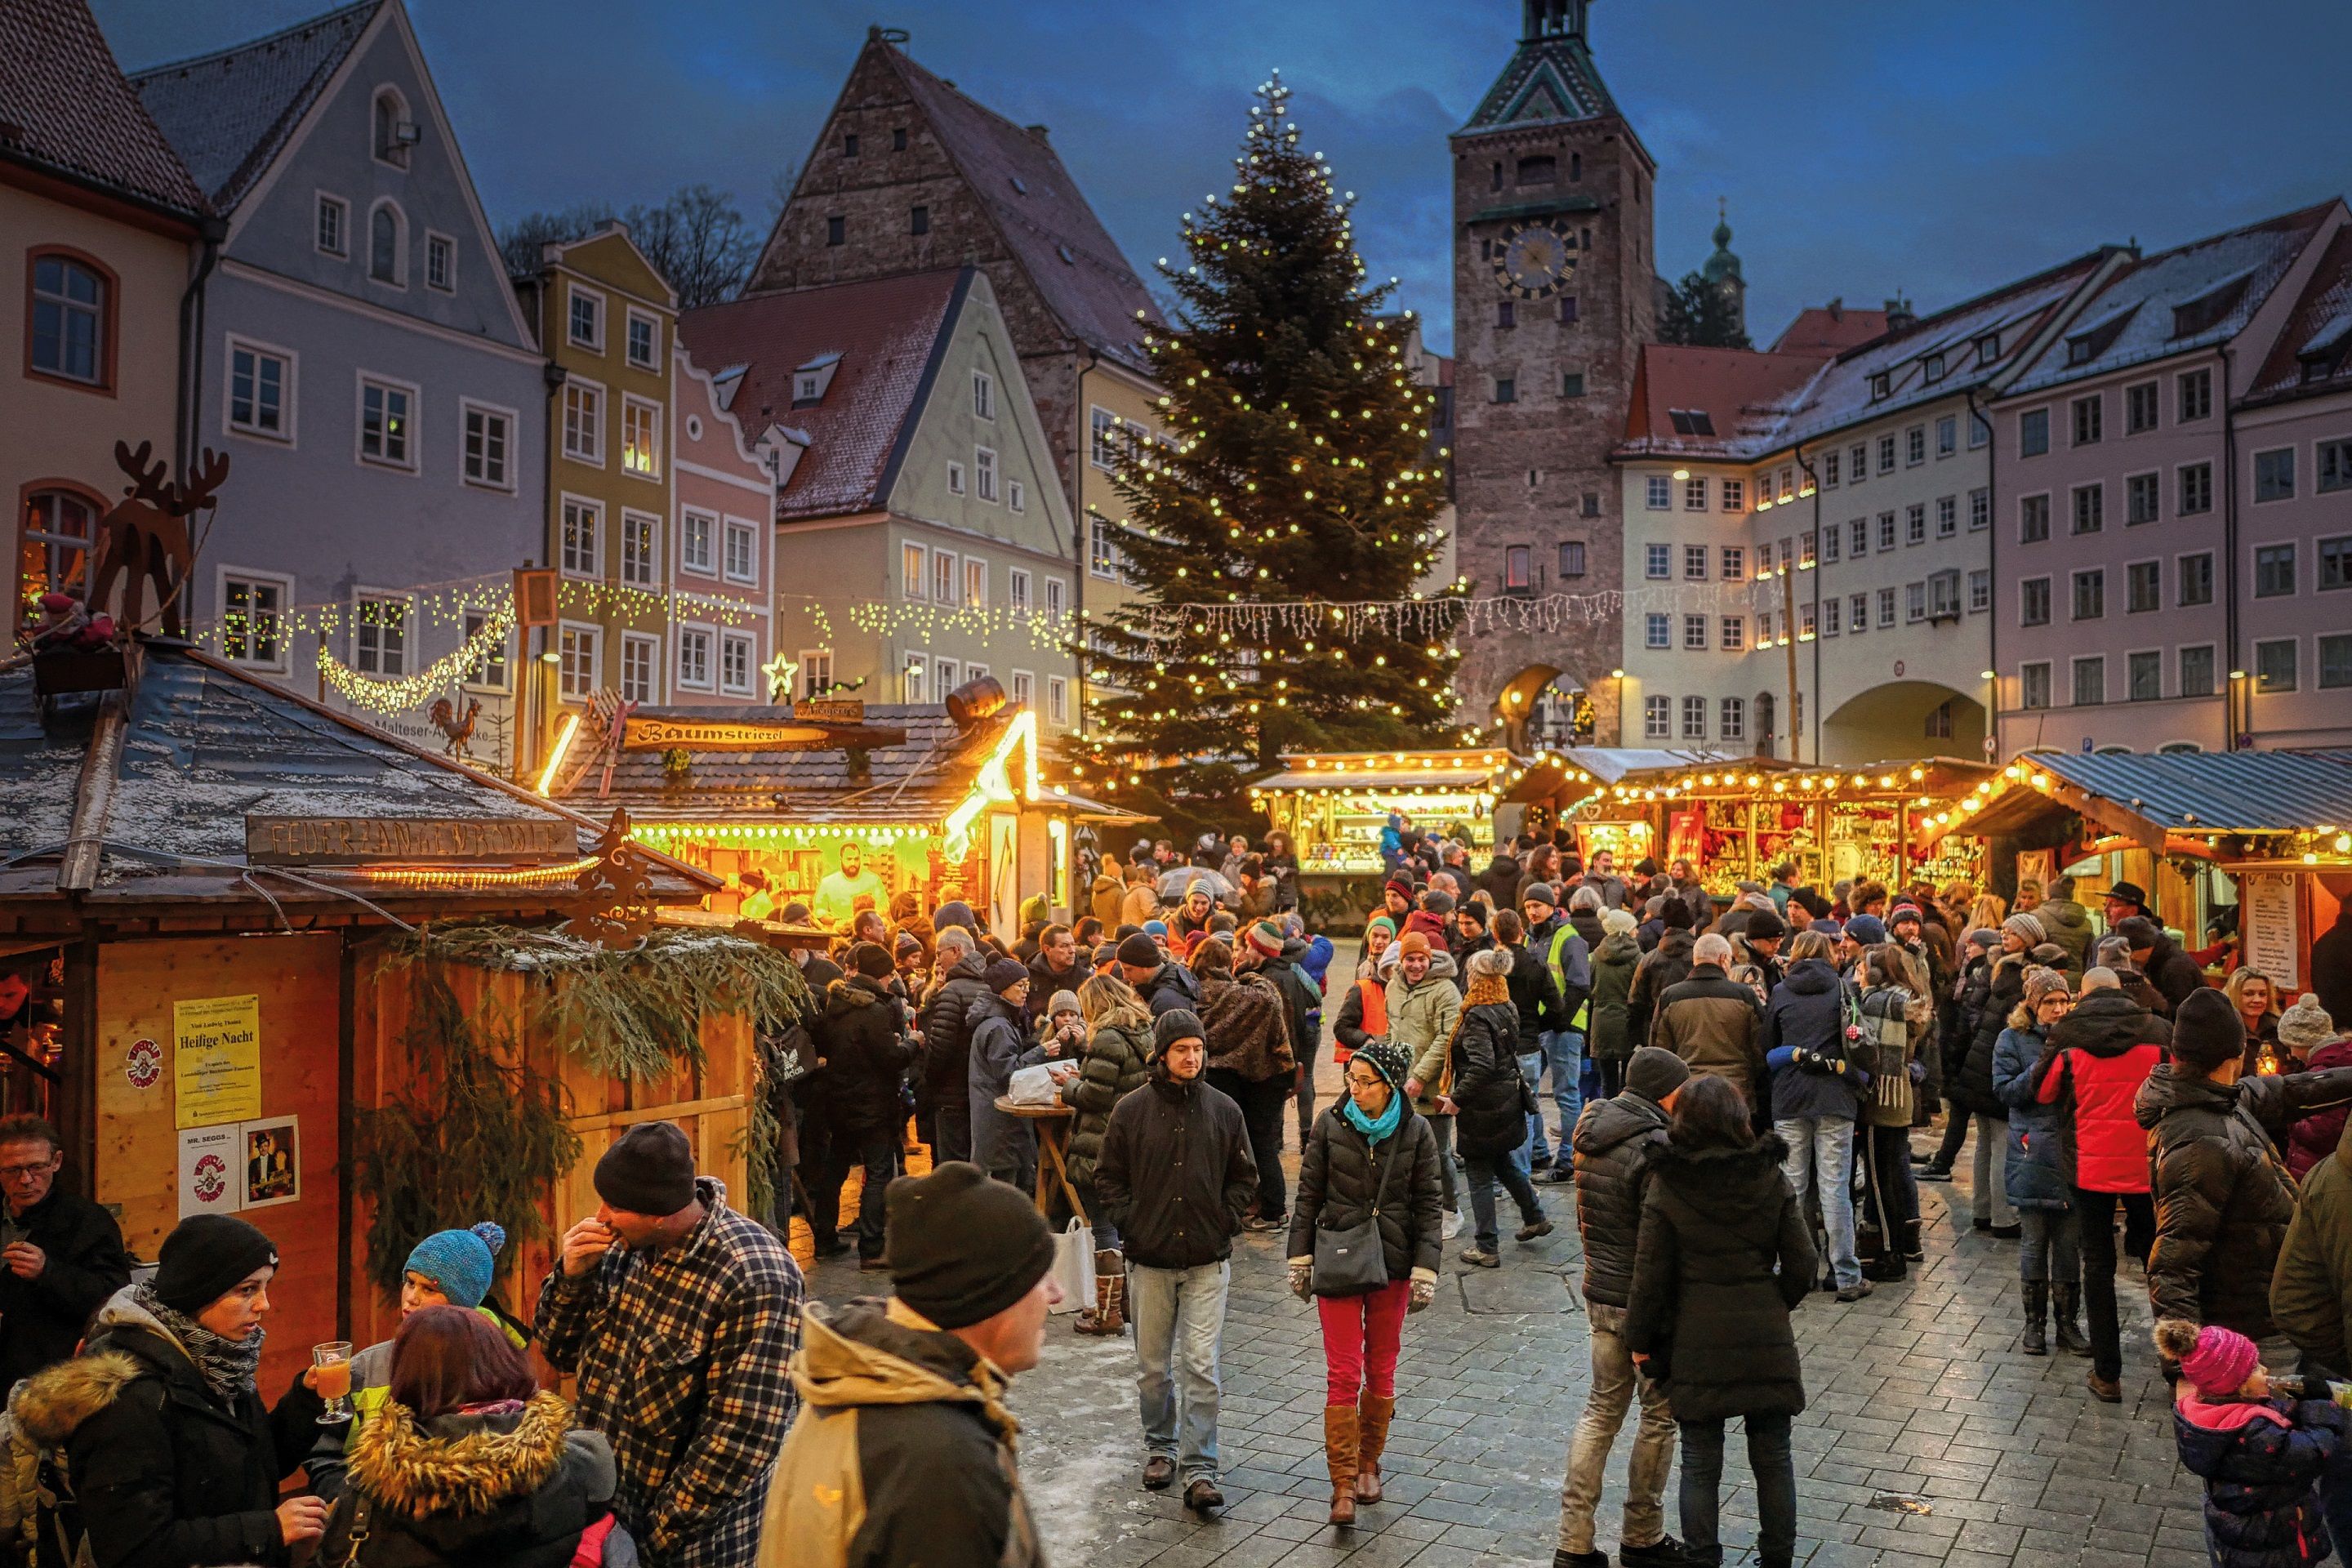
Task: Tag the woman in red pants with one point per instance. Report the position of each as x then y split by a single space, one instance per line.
1370 1160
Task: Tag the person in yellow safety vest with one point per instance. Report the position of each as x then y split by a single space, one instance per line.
450 1268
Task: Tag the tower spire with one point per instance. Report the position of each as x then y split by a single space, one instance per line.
1553 19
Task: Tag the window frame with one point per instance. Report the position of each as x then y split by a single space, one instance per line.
708 632
730 637
2132 569
2087 419
2206 575
388 151
2320 648
589 389
2203 471
471 620
631 317
407 602
399 279
1693 707
2257 478
2322 448
444 245
289 437
651 644
730 529
635 521
1103 561
2132 666
593 508
2094 579
1058 700
1657 562
2153 399
282 633
326 201
1657 718
109 292
2074 669
811 661
985 473
1657 631
2201 380
2024 598
688 517
2025 681
974 584
2028 420
589 636
2256 676
1657 492
2212 685
2271 549
631 406
575 292
468 407
412 438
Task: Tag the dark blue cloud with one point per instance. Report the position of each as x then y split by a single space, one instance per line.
1864 147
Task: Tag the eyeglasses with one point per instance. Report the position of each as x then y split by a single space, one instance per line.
26 1173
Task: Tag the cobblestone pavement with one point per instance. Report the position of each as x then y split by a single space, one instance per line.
1929 1438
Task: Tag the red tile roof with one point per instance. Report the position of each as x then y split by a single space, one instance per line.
888 333
2321 324
1742 394
1830 329
1041 213
66 109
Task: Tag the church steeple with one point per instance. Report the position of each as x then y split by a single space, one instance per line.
1723 264
1553 19
1551 78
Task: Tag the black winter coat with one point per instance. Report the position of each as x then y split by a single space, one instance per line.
1668 964
42 1319
1302 1003
866 1055
2223 1199
1958 1018
2173 972
1608 1035
1175 1173
1724 1256
164 1474
1170 987
1118 1063
2262 1508
1536 993
1972 1088
1490 1108
947 1031
1614 1142
1339 1172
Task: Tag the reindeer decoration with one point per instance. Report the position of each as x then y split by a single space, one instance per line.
460 730
144 539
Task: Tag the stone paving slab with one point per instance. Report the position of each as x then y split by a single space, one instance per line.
1918 1392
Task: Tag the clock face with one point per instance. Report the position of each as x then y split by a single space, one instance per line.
1533 260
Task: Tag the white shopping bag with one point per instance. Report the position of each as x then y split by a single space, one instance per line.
1034 1085
1073 1266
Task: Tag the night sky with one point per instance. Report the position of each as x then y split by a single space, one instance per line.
1865 147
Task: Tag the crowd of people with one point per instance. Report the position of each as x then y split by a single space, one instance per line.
1735 1087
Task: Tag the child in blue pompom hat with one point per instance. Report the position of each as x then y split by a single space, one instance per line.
450 1268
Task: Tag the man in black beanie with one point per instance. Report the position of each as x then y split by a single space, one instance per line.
2211 1136
903 1408
679 1316
1163 986
1176 1176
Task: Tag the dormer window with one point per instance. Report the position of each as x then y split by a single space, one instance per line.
2100 336
2212 308
1882 385
811 380
1933 367
2078 350
1691 421
393 132
1988 348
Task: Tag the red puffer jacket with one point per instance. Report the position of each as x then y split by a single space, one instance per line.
2101 1052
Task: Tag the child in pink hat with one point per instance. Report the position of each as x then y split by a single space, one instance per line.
2261 1453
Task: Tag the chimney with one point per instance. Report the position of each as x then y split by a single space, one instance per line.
1036 131
1837 309
1900 315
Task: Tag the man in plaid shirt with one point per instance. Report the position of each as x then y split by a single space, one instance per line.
679 1317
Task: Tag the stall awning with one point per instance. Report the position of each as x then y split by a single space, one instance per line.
2163 800
1381 771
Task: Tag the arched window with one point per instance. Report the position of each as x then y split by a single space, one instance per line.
1765 712
53 542
72 309
386 244
392 130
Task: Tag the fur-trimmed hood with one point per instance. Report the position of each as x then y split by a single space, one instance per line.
50 1405
462 1464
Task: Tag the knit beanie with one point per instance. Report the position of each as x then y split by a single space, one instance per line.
2207 1030
1619 922
1867 930
1382 921
1141 952
1411 943
2026 929
649 1170
1390 957
1174 1024
1063 1002
1765 926
962 1248
1985 937
1653 1072
1003 974
2041 983
1494 964
205 1257
460 1261
2306 1027
2216 1360
1540 894
1155 928
871 960
1400 886
1387 1058
1265 937
1828 928
1475 911
1904 911
2138 932
1437 901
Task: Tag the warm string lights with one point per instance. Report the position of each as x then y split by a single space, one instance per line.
981 623
397 695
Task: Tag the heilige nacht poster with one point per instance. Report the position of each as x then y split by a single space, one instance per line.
216 1060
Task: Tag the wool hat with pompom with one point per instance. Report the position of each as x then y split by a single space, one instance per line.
460 1261
2216 1360
1387 1058
2306 1027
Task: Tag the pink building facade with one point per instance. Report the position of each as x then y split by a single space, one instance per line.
2123 552
723 573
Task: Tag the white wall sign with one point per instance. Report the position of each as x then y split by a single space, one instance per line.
2272 930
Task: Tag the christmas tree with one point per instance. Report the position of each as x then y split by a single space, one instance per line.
1280 523
1700 312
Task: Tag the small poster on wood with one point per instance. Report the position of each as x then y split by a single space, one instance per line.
208 1171
2271 931
273 1160
215 1060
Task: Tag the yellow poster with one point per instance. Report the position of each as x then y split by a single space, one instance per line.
216 1060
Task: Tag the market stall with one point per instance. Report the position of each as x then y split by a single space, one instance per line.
1334 806
1573 787
206 880
2258 842
842 807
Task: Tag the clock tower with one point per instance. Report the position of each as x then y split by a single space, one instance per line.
1554 292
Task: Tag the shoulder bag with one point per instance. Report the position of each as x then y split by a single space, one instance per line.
1353 1262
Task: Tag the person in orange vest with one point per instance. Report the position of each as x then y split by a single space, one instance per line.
1365 1013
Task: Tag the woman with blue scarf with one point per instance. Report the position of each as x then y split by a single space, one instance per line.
1370 1160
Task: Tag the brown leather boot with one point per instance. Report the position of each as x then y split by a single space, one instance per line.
1108 1314
1373 1416
1340 1436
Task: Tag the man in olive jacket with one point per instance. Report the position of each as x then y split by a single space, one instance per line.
1423 1007
1715 1023
1176 1176
1614 1142
2311 1292
2222 1199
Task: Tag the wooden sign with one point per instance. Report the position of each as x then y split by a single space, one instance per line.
2270 929
830 710
660 732
360 841
534 597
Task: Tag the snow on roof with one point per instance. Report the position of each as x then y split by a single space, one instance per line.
2310 353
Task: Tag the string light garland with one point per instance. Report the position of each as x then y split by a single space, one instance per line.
400 693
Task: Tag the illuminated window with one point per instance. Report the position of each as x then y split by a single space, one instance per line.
641 437
380 635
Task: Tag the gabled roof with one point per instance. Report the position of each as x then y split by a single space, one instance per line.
1830 329
1701 403
890 333
920 782
2319 328
2220 282
67 110
230 113
1549 80
2176 795
1041 214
